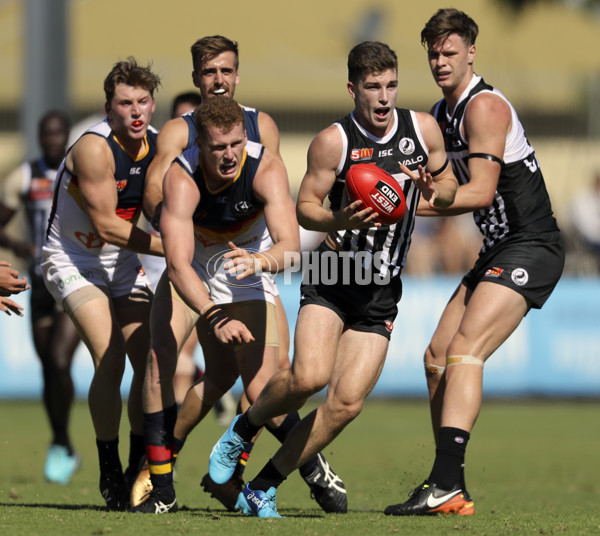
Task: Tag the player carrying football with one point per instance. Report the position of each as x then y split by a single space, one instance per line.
343 331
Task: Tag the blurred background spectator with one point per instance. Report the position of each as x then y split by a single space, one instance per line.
583 230
443 246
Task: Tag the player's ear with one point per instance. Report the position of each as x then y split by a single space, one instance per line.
471 54
351 90
195 79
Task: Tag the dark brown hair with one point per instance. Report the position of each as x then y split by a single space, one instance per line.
370 57
130 73
211 46
446 22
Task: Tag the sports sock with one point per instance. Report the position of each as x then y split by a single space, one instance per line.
283 430
243 461
158 435
136 452
307 468
108 456
449 457
244 428
268 477
176 446
463 484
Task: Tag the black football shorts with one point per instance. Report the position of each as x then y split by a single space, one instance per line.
363 306
529 263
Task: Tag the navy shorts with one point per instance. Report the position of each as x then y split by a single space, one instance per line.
529 263
368 307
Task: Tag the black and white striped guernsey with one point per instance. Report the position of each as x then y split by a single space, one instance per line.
521 202
404 144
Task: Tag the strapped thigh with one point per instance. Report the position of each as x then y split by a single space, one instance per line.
83 295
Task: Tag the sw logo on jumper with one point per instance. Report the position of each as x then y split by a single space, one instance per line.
361 154
494 272
385 197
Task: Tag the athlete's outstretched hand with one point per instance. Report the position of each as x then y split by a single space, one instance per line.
242 263
424 182
10 283
8 306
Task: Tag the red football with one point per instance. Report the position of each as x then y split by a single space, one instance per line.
377 189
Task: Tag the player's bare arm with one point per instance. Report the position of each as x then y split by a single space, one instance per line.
181 197
92 162
271 186
323 157
438 184
486 124
170 143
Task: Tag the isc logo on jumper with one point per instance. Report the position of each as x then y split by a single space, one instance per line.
385 197
361 154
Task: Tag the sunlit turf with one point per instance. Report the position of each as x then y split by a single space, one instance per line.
533 467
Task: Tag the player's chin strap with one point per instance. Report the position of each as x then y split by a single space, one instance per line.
432 370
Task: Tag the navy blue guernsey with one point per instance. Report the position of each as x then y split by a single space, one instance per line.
521 202
231 208
130 175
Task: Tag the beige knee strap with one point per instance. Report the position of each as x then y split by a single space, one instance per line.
463 360
431 369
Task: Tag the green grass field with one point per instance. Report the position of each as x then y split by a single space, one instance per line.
533 467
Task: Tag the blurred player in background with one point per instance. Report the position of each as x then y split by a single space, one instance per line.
520 263
55 338
90 261
343 327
